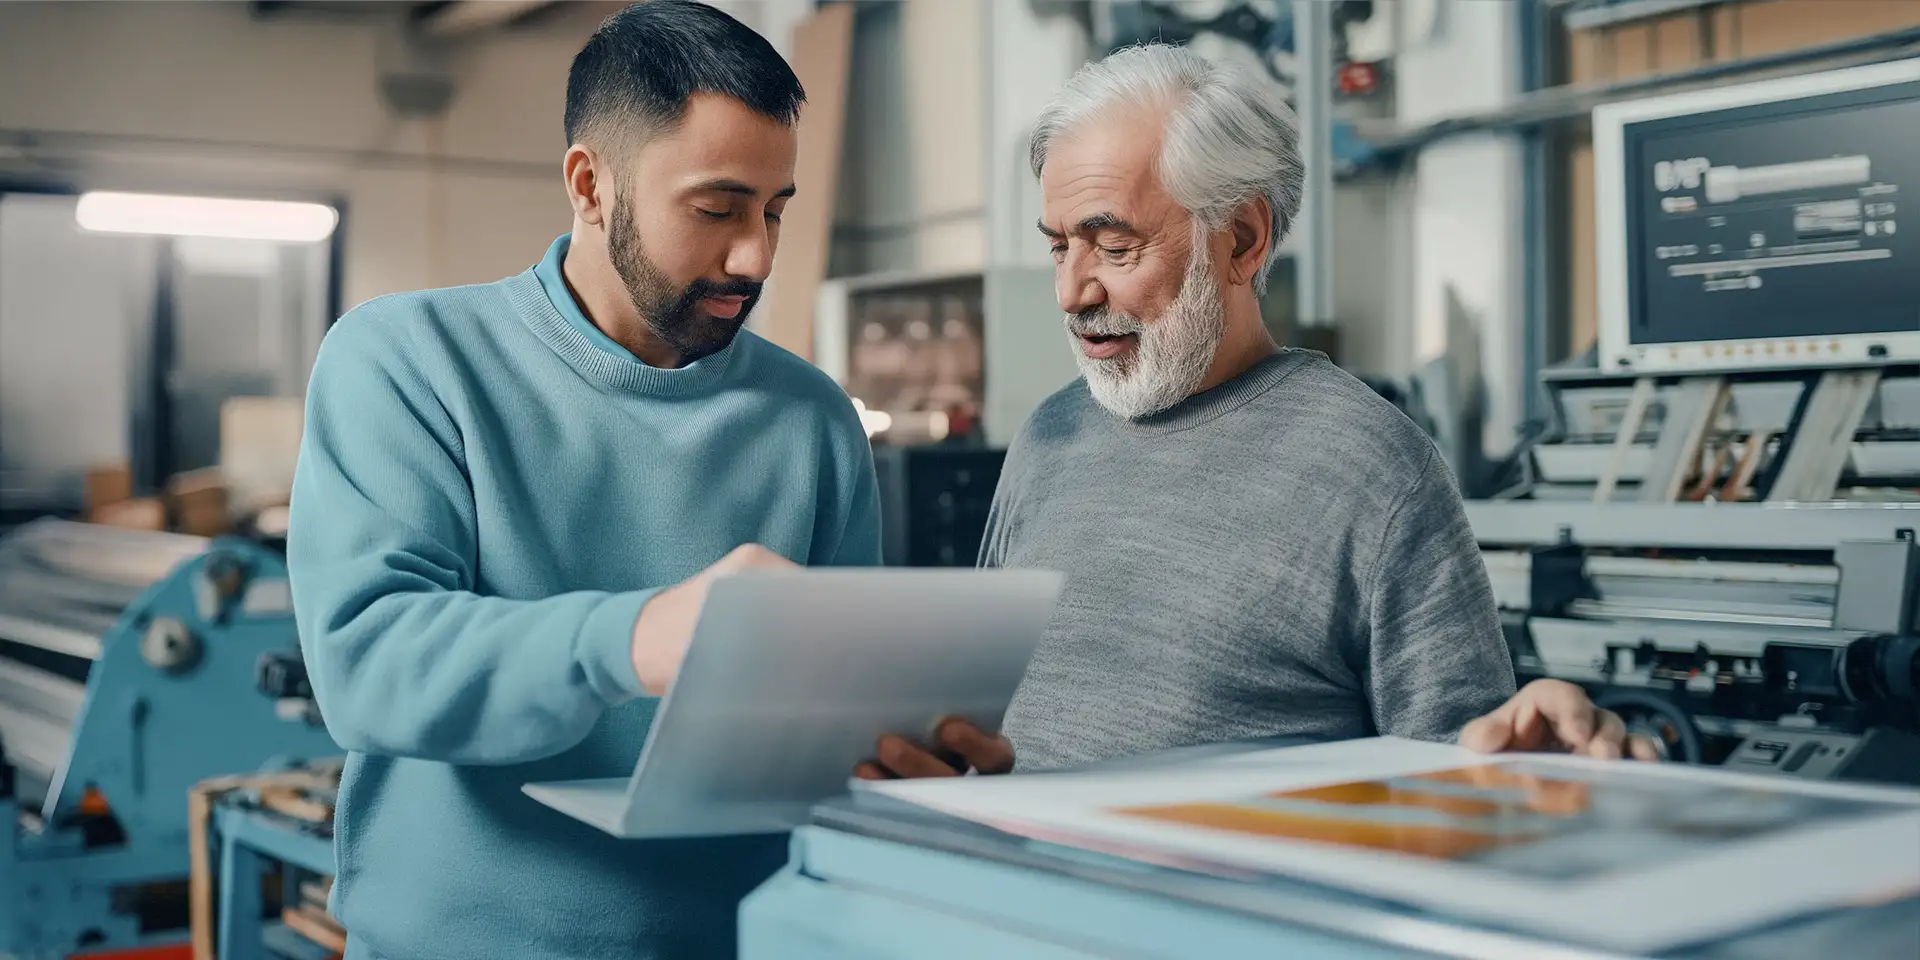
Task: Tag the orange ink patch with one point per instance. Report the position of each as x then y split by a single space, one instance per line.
1421 841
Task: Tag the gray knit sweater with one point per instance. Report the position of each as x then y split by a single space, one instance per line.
1283 554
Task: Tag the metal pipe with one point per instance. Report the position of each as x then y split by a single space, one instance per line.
1563 103
1313 101
1593 16
1533 28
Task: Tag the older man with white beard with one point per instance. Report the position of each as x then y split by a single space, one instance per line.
1255 543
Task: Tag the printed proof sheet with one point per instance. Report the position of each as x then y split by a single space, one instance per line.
1628 856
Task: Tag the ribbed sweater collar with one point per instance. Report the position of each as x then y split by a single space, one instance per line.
623 374
1227 397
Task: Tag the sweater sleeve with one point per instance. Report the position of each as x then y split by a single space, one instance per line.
1436 656
859 539
405 658
846 531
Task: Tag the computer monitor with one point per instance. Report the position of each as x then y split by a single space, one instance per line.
1763 225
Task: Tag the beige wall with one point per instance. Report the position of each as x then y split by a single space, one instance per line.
158 90
913 183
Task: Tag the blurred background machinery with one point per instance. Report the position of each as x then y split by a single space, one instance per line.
133 665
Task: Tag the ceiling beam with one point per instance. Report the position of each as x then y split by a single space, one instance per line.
472 16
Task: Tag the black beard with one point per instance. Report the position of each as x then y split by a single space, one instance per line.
673 315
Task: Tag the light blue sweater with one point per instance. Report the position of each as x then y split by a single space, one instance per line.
486 497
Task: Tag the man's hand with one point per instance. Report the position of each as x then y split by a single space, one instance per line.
958 747
1555 716
665 625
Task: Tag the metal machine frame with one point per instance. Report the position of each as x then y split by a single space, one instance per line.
177 693
1783 436
1779 638
1611 123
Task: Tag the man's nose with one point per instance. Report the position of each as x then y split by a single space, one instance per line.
752 255
1076 289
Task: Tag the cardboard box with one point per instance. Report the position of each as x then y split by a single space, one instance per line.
203 522
107 484
197 503
259 449
139 513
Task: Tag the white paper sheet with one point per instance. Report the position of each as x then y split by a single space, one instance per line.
1628 856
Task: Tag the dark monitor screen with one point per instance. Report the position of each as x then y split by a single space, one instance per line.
1792 219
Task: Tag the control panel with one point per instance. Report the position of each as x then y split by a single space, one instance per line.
1881 755
1815 756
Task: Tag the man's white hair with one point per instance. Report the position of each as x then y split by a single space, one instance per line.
1229 138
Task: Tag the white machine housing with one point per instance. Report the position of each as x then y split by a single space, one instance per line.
1613 127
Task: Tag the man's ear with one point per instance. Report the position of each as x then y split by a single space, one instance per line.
1252 227
586 177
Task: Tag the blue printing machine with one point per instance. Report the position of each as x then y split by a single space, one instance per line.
871 877
133 665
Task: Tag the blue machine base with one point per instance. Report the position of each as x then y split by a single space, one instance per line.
893 884
848 896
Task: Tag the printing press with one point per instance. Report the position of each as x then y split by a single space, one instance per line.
1716 535
133 665
1765 634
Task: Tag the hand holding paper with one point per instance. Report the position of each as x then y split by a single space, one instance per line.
958 746
665 625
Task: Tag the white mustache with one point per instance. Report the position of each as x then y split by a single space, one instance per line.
1102 325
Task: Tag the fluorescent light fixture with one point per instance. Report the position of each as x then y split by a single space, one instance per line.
230 258
148 213
876 421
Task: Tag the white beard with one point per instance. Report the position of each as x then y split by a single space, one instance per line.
1171 354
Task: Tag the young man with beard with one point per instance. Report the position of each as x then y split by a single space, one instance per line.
1255 543
511 499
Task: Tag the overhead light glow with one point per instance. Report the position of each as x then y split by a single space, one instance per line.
148 213
876 421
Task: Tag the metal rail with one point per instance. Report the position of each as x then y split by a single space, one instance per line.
1722 526
1556 104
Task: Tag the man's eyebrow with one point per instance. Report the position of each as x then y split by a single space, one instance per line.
1106 221
736 187
1099 221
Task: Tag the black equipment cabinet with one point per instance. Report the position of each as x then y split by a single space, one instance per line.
934 502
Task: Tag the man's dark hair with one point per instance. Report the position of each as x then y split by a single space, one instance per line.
640 67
